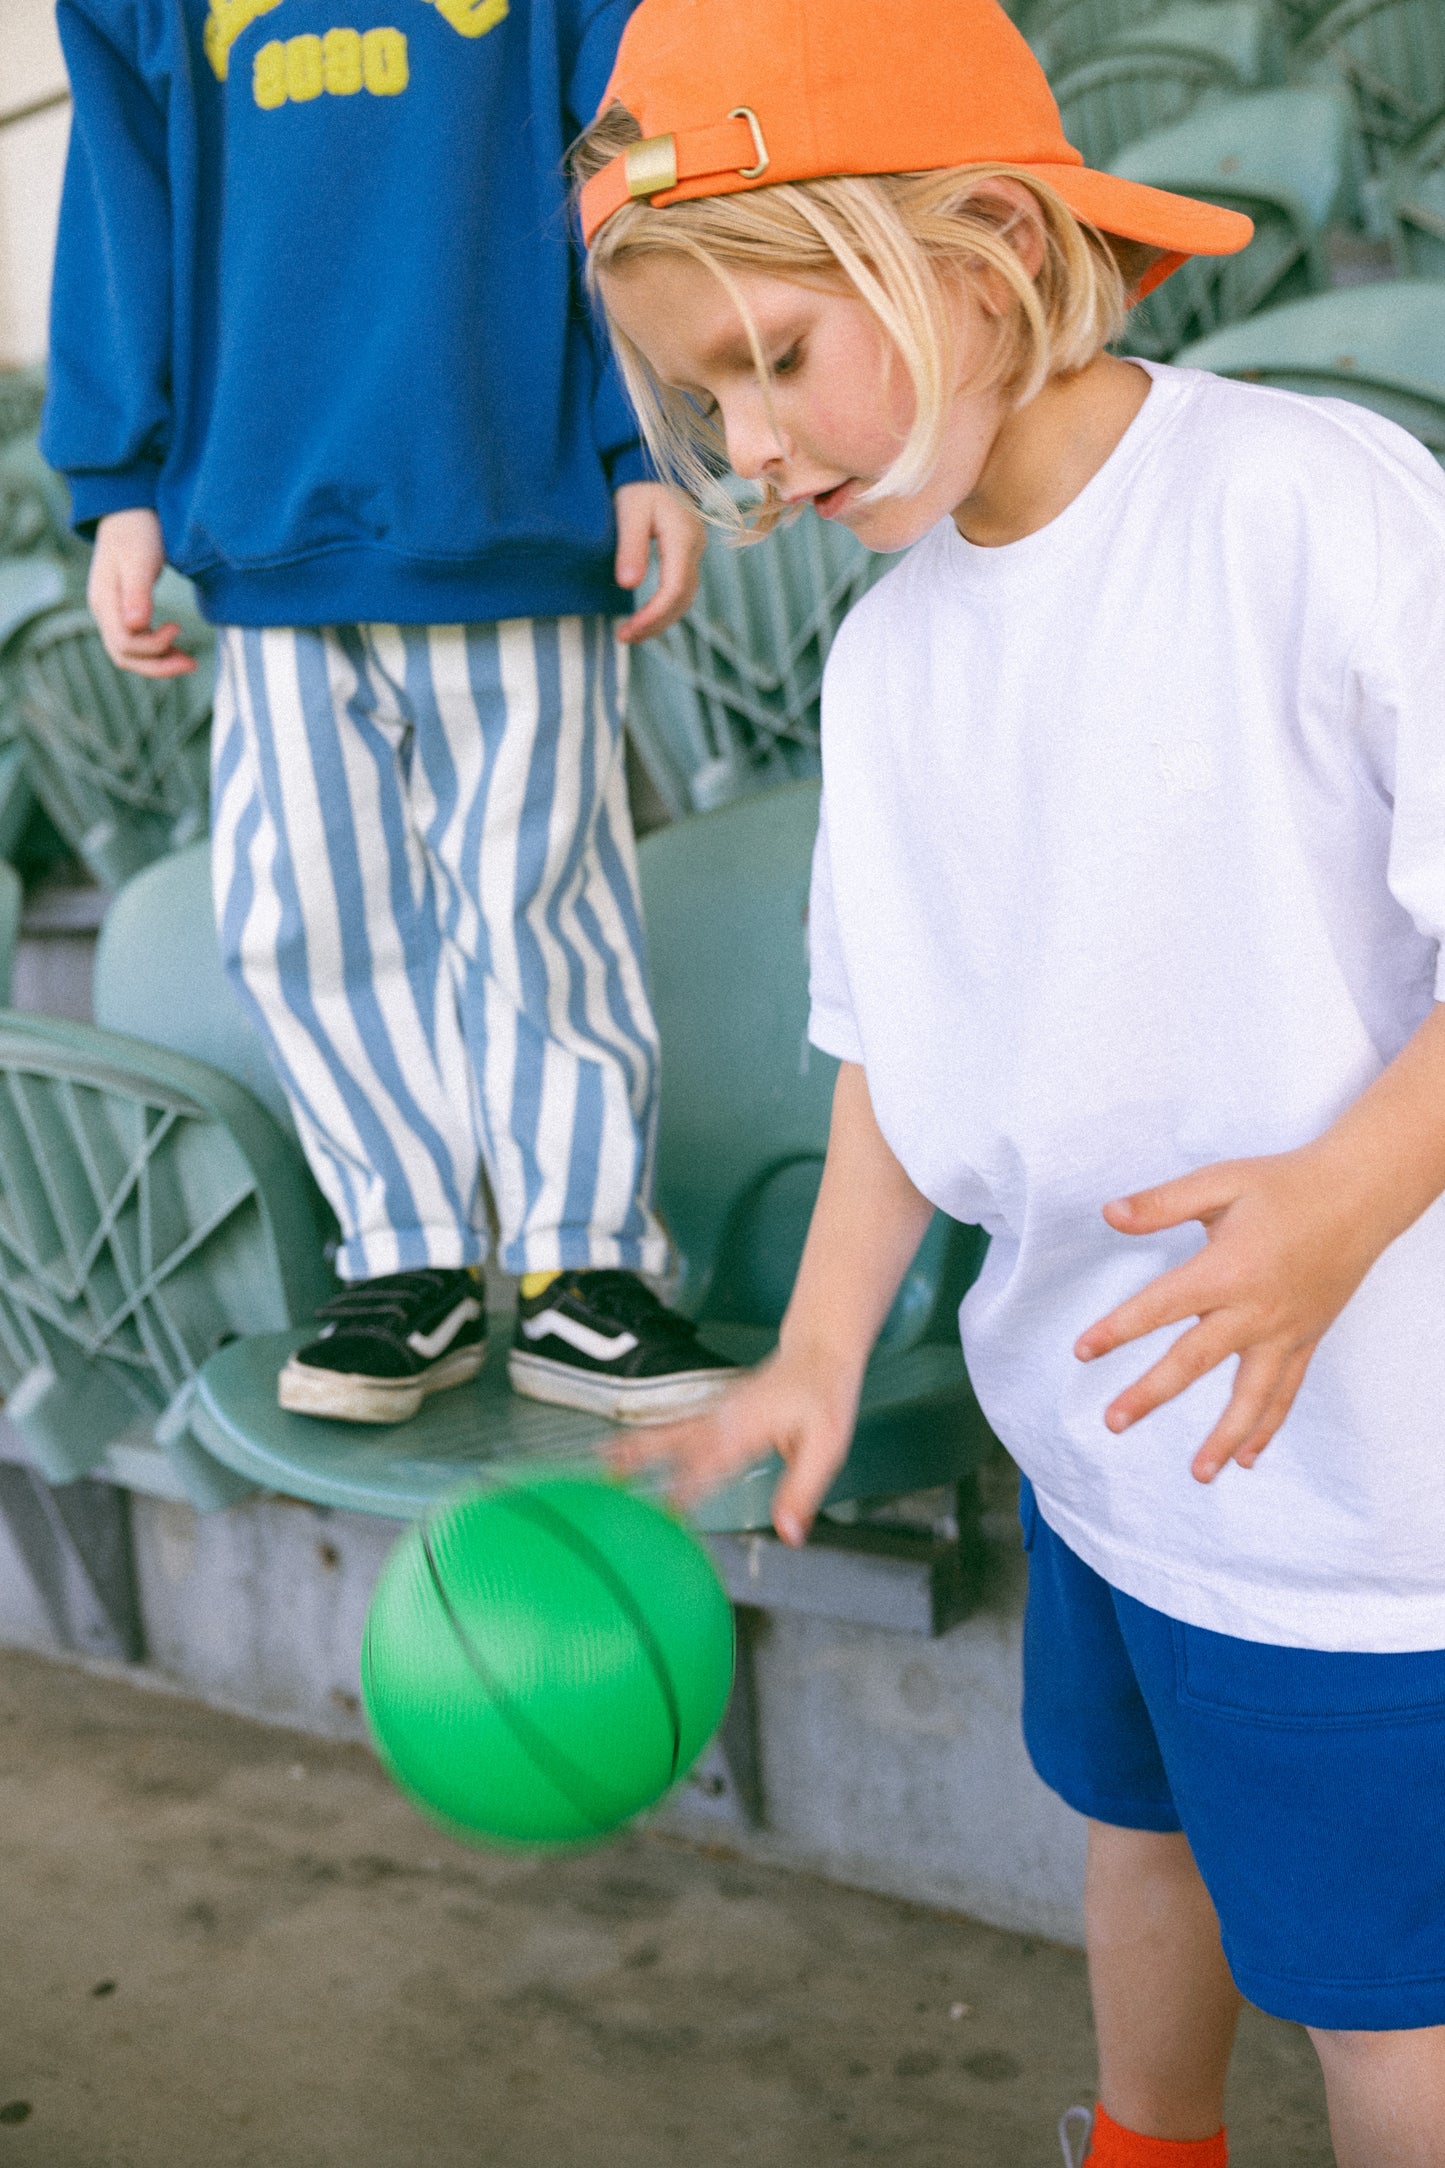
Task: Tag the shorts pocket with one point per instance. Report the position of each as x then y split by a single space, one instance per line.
1257 1682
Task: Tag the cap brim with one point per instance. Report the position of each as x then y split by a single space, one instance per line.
1179 225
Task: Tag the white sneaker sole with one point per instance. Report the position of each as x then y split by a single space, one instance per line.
621 1400
345 1398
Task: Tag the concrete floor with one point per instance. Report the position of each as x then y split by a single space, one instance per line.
227 1946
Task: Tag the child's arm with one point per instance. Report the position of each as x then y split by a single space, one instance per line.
866 1228
129 558
1288 1239
108 405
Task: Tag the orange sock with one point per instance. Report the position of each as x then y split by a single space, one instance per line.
1115 2147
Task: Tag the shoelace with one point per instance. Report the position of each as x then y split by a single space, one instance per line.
1081 2119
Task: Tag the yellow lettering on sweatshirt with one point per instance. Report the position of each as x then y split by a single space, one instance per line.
305 77
268 76
473 18
339 64
224 24
384 63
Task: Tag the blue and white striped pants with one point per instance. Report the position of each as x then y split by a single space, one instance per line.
426 889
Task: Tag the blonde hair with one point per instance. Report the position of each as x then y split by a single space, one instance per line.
900 242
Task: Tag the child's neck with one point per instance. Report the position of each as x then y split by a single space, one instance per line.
1046 452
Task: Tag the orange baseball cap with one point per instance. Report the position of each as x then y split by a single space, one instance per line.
737 94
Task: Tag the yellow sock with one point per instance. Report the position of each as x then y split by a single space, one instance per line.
534 1282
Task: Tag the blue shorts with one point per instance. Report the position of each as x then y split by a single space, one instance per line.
1311 1786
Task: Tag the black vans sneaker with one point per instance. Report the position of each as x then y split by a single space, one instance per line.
602 1341
385 1344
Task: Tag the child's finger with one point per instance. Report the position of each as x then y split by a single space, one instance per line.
643 623
1167 1300
169 666
1192 1196
152 641
1193 1355
702 1451
652 1442
1276 1409
803 1486
1256 1386
152 654
137 584
676 588
633 513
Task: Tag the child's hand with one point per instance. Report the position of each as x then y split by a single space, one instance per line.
799 1406
1285 1249
646 513
129 558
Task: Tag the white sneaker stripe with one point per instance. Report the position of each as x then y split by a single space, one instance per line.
431 1344
582 1337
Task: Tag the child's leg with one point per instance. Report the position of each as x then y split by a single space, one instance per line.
328 932
1309 1785
1165 2007
1386 2092
520 792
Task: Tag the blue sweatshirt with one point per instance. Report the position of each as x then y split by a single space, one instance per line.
317 301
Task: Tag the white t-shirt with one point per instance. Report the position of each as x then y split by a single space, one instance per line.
1133 859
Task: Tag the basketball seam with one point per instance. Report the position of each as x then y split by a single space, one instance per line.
553 1763
581 1546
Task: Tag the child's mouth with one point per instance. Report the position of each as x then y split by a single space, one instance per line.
830 502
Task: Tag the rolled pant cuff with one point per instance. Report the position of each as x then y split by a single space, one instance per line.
373 1257
649 1254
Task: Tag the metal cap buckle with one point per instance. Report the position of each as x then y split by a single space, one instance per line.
651 165
745 112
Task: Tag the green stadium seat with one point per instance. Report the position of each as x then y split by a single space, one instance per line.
150 1211
34 502
1391 56
1300 17
1417 208
29 587
727 701
11 899
1070 31
1291 161
120 763
1414 188
744 1127
1426 148
17 800
1245 35
22 395
1126 93
1382 346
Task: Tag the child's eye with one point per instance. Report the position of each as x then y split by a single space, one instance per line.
786 364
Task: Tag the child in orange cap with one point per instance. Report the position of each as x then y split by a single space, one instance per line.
1126 922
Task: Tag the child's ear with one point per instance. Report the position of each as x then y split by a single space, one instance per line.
1023 228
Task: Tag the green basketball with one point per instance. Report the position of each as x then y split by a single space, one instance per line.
542 1661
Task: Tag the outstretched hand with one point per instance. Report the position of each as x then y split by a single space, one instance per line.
793 1405
647 512
1283 1253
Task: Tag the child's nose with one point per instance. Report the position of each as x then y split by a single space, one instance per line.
754 446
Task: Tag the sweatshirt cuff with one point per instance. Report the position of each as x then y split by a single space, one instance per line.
631 464
92 496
